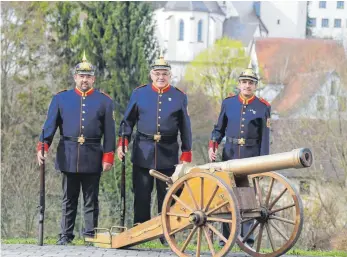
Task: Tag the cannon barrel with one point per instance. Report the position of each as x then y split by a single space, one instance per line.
297 158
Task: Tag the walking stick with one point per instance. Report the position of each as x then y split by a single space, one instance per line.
42 193
122 190
214 150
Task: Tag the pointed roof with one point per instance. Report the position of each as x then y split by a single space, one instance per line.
194 6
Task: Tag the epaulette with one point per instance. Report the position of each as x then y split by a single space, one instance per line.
230 95
180 90
61 91
140 86
264 101
102 92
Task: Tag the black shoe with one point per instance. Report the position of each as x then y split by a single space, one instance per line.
163 241
64 240
250 242
221 243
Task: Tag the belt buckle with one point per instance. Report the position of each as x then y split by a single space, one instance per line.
241 141
157 137
81 140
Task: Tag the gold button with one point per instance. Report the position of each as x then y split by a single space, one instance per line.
160 95
158 125
241 131
84 112
243 118
243 113
242 125
245 106
83 105
82 118
159 102
159 117
84 98
82 126
160 110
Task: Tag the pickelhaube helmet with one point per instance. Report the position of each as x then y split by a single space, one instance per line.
248 74
161 64
85 67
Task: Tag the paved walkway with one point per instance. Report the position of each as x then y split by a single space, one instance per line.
26 250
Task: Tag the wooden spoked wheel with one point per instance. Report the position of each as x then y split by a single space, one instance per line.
279 224
195 204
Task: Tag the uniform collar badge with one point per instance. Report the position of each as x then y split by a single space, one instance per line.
81 93
160 90
246 101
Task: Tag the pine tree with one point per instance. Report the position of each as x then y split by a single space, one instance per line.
119 38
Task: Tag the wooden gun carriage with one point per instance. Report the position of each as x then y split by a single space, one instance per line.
201 198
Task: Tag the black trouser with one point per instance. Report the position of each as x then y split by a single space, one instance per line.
72 182
143 186
240 181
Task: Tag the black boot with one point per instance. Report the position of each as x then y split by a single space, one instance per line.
163 241
64 240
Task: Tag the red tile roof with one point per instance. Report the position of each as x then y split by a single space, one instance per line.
281 58
301 65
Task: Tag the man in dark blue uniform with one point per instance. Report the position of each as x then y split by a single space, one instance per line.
244 121
83 115
160 111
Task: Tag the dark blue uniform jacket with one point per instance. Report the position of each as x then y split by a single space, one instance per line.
161 112
243 119
79 114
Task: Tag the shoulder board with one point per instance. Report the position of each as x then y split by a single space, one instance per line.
264 101
230 95
180 90
61 91
140 86
102 92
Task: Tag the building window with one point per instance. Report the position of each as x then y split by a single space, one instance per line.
304 188
325 23
312 22
333 88
200 31
342 102
340 4
337 23
181 31
322 4
320 103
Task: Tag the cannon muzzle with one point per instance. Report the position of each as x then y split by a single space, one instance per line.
298 158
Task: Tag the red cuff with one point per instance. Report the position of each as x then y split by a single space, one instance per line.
186 156
108 157
38 147
212 144
120 141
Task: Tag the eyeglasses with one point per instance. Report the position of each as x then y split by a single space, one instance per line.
158 74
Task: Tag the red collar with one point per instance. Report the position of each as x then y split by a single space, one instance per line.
246 101
160 90
81 93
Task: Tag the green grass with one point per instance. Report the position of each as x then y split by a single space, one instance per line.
155 244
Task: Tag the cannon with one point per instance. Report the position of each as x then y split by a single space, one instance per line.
201 198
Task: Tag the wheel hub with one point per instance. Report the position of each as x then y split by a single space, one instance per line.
264 215
198 218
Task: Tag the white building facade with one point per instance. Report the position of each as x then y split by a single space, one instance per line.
286 19
328 19
184 29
